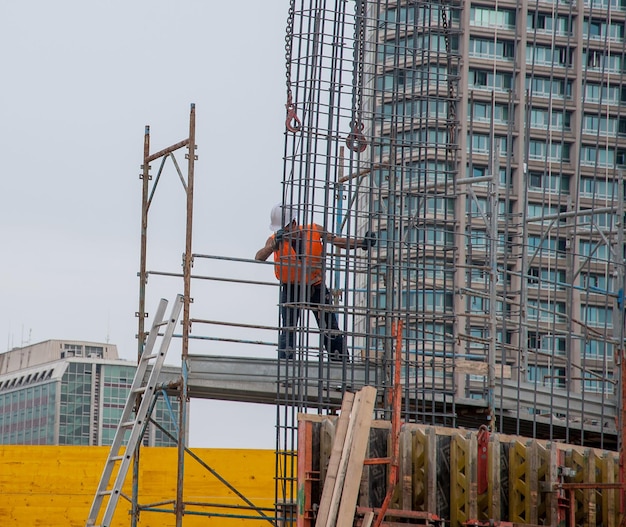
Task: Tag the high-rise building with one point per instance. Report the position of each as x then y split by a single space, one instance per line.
66 392
522 271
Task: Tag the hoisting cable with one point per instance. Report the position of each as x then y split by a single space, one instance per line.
292 122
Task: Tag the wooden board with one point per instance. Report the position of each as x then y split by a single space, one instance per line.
363 419
335 459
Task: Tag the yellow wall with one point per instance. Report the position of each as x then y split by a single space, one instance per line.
54 486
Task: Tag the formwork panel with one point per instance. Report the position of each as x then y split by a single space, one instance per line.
528 472
519 488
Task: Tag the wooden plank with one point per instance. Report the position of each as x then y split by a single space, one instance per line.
430 471
532 475
327 439
363 419
592 493
608 496
368 519
406 468
347 406
343 463
495 488
553 481
472 473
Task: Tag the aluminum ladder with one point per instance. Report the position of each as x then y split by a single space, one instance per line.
121 455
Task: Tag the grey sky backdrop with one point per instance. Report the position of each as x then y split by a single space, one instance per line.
80 82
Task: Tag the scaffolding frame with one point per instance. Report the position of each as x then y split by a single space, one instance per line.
179 507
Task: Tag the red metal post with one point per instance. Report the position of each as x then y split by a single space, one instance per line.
395 426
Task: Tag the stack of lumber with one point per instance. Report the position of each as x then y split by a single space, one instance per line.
341 486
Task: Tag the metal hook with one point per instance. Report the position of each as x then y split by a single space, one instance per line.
356 140
292 122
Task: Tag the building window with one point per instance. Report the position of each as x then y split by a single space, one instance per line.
554 120
602 157
556 56
539 150
479 207
599 29
598 316
538 211
94 351
548 24
488 49
598 350
595 250
600 61
603 125
487 17
546 376
548 182
598 382
547 344
488 80
546 311
597 283
481 144
546 278
546 87
485 112
72 350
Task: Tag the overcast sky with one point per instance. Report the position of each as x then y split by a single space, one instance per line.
81 80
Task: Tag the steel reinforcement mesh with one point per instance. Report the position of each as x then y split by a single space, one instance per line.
455 133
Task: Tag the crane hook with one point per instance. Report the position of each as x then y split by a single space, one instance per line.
356 140
292 122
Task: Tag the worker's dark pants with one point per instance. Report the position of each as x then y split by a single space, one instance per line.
317 299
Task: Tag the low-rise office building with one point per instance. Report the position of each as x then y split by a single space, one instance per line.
66 392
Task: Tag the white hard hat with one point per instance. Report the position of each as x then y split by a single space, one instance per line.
281 216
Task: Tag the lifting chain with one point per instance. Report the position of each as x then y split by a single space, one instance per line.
292 122
451 103
356 140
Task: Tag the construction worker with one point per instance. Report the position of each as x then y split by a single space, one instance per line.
298 264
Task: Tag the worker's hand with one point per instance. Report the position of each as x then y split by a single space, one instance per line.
368 241
278 238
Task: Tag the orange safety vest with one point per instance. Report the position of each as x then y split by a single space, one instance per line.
299 257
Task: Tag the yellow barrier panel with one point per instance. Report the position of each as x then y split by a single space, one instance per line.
54 485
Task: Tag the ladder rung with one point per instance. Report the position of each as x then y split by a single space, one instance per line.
105 493
141 389
116 458
127 424
150 357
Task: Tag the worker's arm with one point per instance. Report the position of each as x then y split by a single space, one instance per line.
369 240
263 253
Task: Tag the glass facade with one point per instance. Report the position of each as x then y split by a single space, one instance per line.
75 402
27 414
